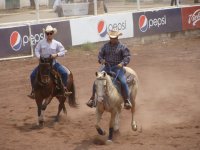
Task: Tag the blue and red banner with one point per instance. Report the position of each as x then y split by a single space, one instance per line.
155 22
14 42
63 34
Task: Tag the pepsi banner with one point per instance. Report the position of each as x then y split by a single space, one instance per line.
63 34
95 28
154 22
14 42
191 17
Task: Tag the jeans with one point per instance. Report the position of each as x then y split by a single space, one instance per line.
58 67
120 75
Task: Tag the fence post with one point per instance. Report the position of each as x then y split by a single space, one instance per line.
95 7
138 4
37 11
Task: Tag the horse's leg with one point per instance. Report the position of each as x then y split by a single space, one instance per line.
64 109
111 126
40 112
60 107
99 113
46 102
117 118
133 122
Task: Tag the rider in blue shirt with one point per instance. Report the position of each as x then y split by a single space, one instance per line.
114 55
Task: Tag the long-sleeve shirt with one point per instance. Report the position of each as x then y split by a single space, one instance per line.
114 55
45 49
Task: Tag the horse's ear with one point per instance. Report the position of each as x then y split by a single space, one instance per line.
104 74
96 73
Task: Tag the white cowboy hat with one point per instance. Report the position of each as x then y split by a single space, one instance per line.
49 28
114 34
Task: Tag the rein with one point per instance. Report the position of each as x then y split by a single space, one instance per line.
42 83
106 89
39 75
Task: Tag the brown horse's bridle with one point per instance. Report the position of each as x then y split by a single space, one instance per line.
44 78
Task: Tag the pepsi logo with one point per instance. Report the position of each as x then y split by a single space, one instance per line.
143 23
102 28
15 41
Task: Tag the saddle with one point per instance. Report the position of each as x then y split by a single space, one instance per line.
129 80
57 80
60 88
129 77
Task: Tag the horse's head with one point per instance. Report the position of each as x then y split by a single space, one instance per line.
101 85
44 71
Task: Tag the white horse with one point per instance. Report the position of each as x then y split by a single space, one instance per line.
109 99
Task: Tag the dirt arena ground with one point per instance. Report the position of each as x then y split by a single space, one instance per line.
167 104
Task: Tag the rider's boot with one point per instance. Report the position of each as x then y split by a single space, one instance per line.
91 102
32 95
127 104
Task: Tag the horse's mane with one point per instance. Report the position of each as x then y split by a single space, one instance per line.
111 89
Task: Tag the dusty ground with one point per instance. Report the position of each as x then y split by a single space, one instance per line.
167 110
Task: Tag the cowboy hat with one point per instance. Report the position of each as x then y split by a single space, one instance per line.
49 28
114 34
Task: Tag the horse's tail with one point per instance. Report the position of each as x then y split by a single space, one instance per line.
72 97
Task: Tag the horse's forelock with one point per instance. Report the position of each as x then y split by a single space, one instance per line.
101 75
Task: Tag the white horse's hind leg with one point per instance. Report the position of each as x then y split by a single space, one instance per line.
133 122
117 119
133 96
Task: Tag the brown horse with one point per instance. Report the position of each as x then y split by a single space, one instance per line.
48 85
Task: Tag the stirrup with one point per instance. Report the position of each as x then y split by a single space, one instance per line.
127 104
67 92
90 103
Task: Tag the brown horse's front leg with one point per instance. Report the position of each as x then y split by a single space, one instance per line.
61 106
40 113
46 102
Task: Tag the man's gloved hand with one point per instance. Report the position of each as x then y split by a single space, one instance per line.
103 61
120 65
54 55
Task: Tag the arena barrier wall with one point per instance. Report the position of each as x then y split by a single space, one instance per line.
19 41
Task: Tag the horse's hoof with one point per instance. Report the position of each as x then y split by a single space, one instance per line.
116 128
67 94
41 124
127 105
109 142
134 127
100 131
56 119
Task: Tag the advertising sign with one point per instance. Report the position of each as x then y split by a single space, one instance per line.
95 28
63 34
191 17
160 21
14 42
